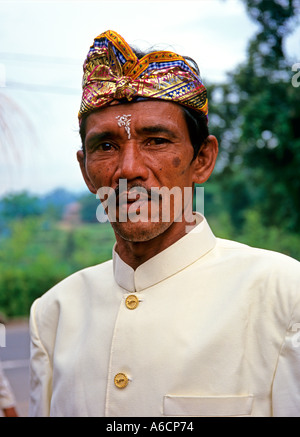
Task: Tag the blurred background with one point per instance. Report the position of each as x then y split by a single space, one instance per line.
247 51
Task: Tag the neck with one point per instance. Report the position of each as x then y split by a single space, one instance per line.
135 253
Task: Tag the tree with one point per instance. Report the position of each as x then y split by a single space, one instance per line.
20 205
255 115
88 207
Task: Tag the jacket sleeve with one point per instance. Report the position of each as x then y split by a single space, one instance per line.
286 383
40 371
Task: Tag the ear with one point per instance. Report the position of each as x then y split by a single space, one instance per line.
205 160
81 160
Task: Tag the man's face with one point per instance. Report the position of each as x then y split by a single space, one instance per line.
150 147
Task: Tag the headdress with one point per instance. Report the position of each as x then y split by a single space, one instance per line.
113 72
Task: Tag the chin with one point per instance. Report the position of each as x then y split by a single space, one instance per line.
140 231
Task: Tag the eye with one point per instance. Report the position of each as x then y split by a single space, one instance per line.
156 141
105 147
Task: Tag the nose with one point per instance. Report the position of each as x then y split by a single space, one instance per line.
131 164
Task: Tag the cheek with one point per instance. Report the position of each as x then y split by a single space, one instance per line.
172 167
176 162
99 174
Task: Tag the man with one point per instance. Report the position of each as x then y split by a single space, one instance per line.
179 322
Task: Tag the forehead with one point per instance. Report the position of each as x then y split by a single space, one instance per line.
141 114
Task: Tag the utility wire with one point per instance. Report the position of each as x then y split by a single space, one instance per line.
53 89
17 57
43 88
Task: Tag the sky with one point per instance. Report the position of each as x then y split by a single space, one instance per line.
42 48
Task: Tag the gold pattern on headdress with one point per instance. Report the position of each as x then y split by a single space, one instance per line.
113 72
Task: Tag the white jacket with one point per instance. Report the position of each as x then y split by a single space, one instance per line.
216 332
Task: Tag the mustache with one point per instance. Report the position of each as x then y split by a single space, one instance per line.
138 187
128 193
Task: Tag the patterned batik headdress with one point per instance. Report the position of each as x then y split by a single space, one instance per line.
113 72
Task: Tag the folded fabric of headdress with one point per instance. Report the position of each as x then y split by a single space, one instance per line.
112 71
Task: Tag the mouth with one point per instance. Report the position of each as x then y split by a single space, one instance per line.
131 197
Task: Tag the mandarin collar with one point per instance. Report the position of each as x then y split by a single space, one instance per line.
192 246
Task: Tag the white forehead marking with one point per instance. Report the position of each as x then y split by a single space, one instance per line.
124 120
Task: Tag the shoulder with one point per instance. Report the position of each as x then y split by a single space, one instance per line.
75 289
255 259
270 276
69 304
263 257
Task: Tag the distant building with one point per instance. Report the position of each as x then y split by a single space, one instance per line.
71 215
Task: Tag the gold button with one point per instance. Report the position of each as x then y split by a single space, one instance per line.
131 302
121 380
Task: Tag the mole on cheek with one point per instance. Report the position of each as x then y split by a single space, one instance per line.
176 161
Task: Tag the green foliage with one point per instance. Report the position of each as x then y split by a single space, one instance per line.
254 233
249 226
20 205
37 253
255 117
89 204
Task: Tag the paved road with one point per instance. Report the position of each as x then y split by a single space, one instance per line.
15 362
